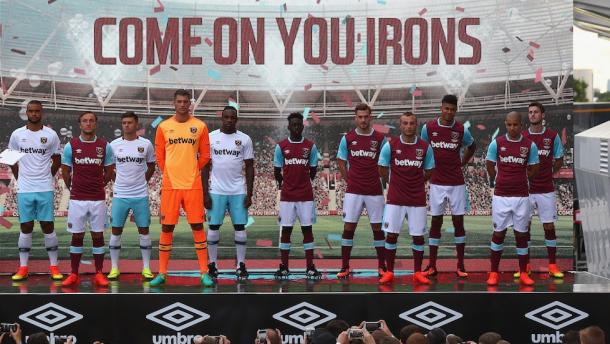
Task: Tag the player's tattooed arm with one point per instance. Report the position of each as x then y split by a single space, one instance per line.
66 175
491 172
383 173
56 163
249 182
108 173
468 153
557 164
277 173
205 183
342 165
532 170
427 174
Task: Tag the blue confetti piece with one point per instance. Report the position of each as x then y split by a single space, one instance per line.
413 88
306 113
334 237
1 210
214 74
380 115
250 221
364 48
495 134
381 2
156 122
234 104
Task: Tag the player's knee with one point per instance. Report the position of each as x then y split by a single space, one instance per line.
27 227
97 235
391 236
167 228
500 234
214 227
47 227
117 230
306 229
197 226
143 230
238 228
286 229
548 226
349 227
457 220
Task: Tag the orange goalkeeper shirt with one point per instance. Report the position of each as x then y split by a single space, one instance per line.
182 150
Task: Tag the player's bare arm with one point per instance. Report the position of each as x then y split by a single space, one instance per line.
249 163
342 165
491 171
205 184
557 164
427 174
55 164
468 153
312 172
277 173
383 173
66 175
15 170
532 170
150 170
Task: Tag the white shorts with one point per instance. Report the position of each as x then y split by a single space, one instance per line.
81 212
440 194
546 206
507 211
395 215
290 210
354 203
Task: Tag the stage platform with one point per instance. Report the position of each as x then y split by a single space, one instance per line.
130 311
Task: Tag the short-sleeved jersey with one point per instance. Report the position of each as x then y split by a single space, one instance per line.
362 154
182 149
512 158
447 142
295 159
87 160
228 152
549 149
130 158
35 167
407 162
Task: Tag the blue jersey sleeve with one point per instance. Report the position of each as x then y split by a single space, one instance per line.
342 152
278 157
384 155
429 160
533 158
492 151
109 159
313 156
424 133
557 148
467 140
66 158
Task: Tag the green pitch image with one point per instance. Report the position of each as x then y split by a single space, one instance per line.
263 238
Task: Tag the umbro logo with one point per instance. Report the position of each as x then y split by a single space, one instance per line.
304 315
177 316
430 315
51 317
556 315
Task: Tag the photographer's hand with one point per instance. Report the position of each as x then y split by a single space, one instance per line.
342 338
16 335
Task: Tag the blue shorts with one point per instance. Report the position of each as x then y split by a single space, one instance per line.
36 206
120 210
222 203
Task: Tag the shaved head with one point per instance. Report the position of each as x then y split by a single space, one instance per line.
514 115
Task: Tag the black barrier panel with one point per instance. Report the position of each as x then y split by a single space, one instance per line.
177 318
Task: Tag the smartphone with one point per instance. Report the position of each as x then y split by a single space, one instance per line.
261 336
7 327
372 325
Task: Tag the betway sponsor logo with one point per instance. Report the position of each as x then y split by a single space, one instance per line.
407 162
181 140
296 161
31 150
88 161
226 152
126 159
443 144
511 159
363 153
544 152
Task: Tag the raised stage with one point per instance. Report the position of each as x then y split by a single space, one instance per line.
130 311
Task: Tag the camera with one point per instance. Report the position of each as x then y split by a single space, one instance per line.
372 325
7 327
355 335
261 336
308 333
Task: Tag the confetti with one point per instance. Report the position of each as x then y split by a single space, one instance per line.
173 68
264 243
525 90
317 1
306 113
481 126
530 57
534 45
538 77
254 76
156 122
380 115
214 74
519 38
315 117
233 104
208 42
307 87
459 9
5 223
154 70
422 12
323 66
506 49
80 71
159 8
430 73
250 221
0 30
417 93
18 51
412 88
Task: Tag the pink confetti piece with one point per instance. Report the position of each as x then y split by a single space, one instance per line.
422 12
538 77
80 71
459 9
154 70
530 57
159 8
306 123
417 93
307 87
5 223
323 66
481 126
264 243
534 45
208 42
